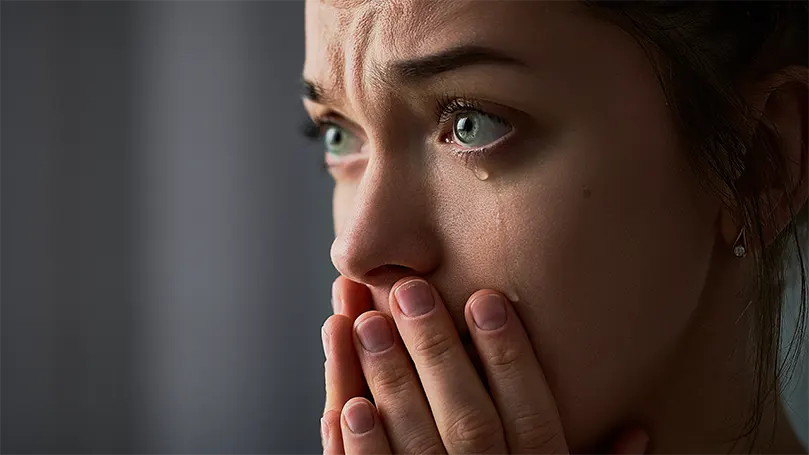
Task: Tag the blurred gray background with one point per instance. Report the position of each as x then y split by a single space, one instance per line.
165 230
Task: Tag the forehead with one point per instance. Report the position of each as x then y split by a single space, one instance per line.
346 38
340 32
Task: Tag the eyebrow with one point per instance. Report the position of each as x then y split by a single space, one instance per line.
311 91
422 68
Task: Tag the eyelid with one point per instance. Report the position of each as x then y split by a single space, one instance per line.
448 107
333 118
447 110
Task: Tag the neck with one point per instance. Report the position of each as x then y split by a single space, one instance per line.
705 401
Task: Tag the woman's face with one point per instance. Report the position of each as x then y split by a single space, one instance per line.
524 147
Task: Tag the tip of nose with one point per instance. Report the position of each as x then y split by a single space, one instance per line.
345 262
365 269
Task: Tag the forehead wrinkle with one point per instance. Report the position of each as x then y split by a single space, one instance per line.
335 63
414 27
437 17
394 15
326 23
360 46
358 70
344 4
360 39
346 30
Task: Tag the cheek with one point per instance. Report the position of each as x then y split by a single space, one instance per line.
342 203
610 255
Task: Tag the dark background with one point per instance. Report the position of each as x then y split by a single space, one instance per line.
165 230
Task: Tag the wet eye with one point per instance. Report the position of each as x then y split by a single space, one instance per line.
339 141
476 129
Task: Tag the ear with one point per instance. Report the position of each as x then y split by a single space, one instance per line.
782 103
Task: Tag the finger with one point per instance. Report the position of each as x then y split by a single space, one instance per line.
344 379
464 413
395 386
350 298
330 434
633 441
516 381
362 430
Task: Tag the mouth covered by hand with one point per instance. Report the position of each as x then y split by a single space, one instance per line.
408 383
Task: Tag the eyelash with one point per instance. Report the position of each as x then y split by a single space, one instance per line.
446 107
312 130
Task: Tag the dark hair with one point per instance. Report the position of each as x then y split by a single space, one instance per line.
703 51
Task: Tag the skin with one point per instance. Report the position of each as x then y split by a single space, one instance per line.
617 261
455 413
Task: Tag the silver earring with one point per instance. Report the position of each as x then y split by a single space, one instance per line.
738 246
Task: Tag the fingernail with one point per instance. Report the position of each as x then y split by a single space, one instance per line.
359 418
324 432
414 298
325 338
489 312
374 334
336 301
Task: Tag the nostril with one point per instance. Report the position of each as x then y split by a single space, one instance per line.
388 274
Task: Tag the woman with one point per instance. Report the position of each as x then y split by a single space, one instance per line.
591 200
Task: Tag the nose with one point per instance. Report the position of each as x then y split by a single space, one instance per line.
387 235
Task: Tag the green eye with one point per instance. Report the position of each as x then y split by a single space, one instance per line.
339 141
476 129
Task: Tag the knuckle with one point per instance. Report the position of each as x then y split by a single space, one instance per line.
391 379
332 418
335 323
537 432
422 444
432 346
474 432
504 358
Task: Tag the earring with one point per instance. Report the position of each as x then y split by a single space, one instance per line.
738 246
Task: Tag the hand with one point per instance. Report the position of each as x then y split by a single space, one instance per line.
428 396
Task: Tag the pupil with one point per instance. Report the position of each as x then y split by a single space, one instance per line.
464 127
334 137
